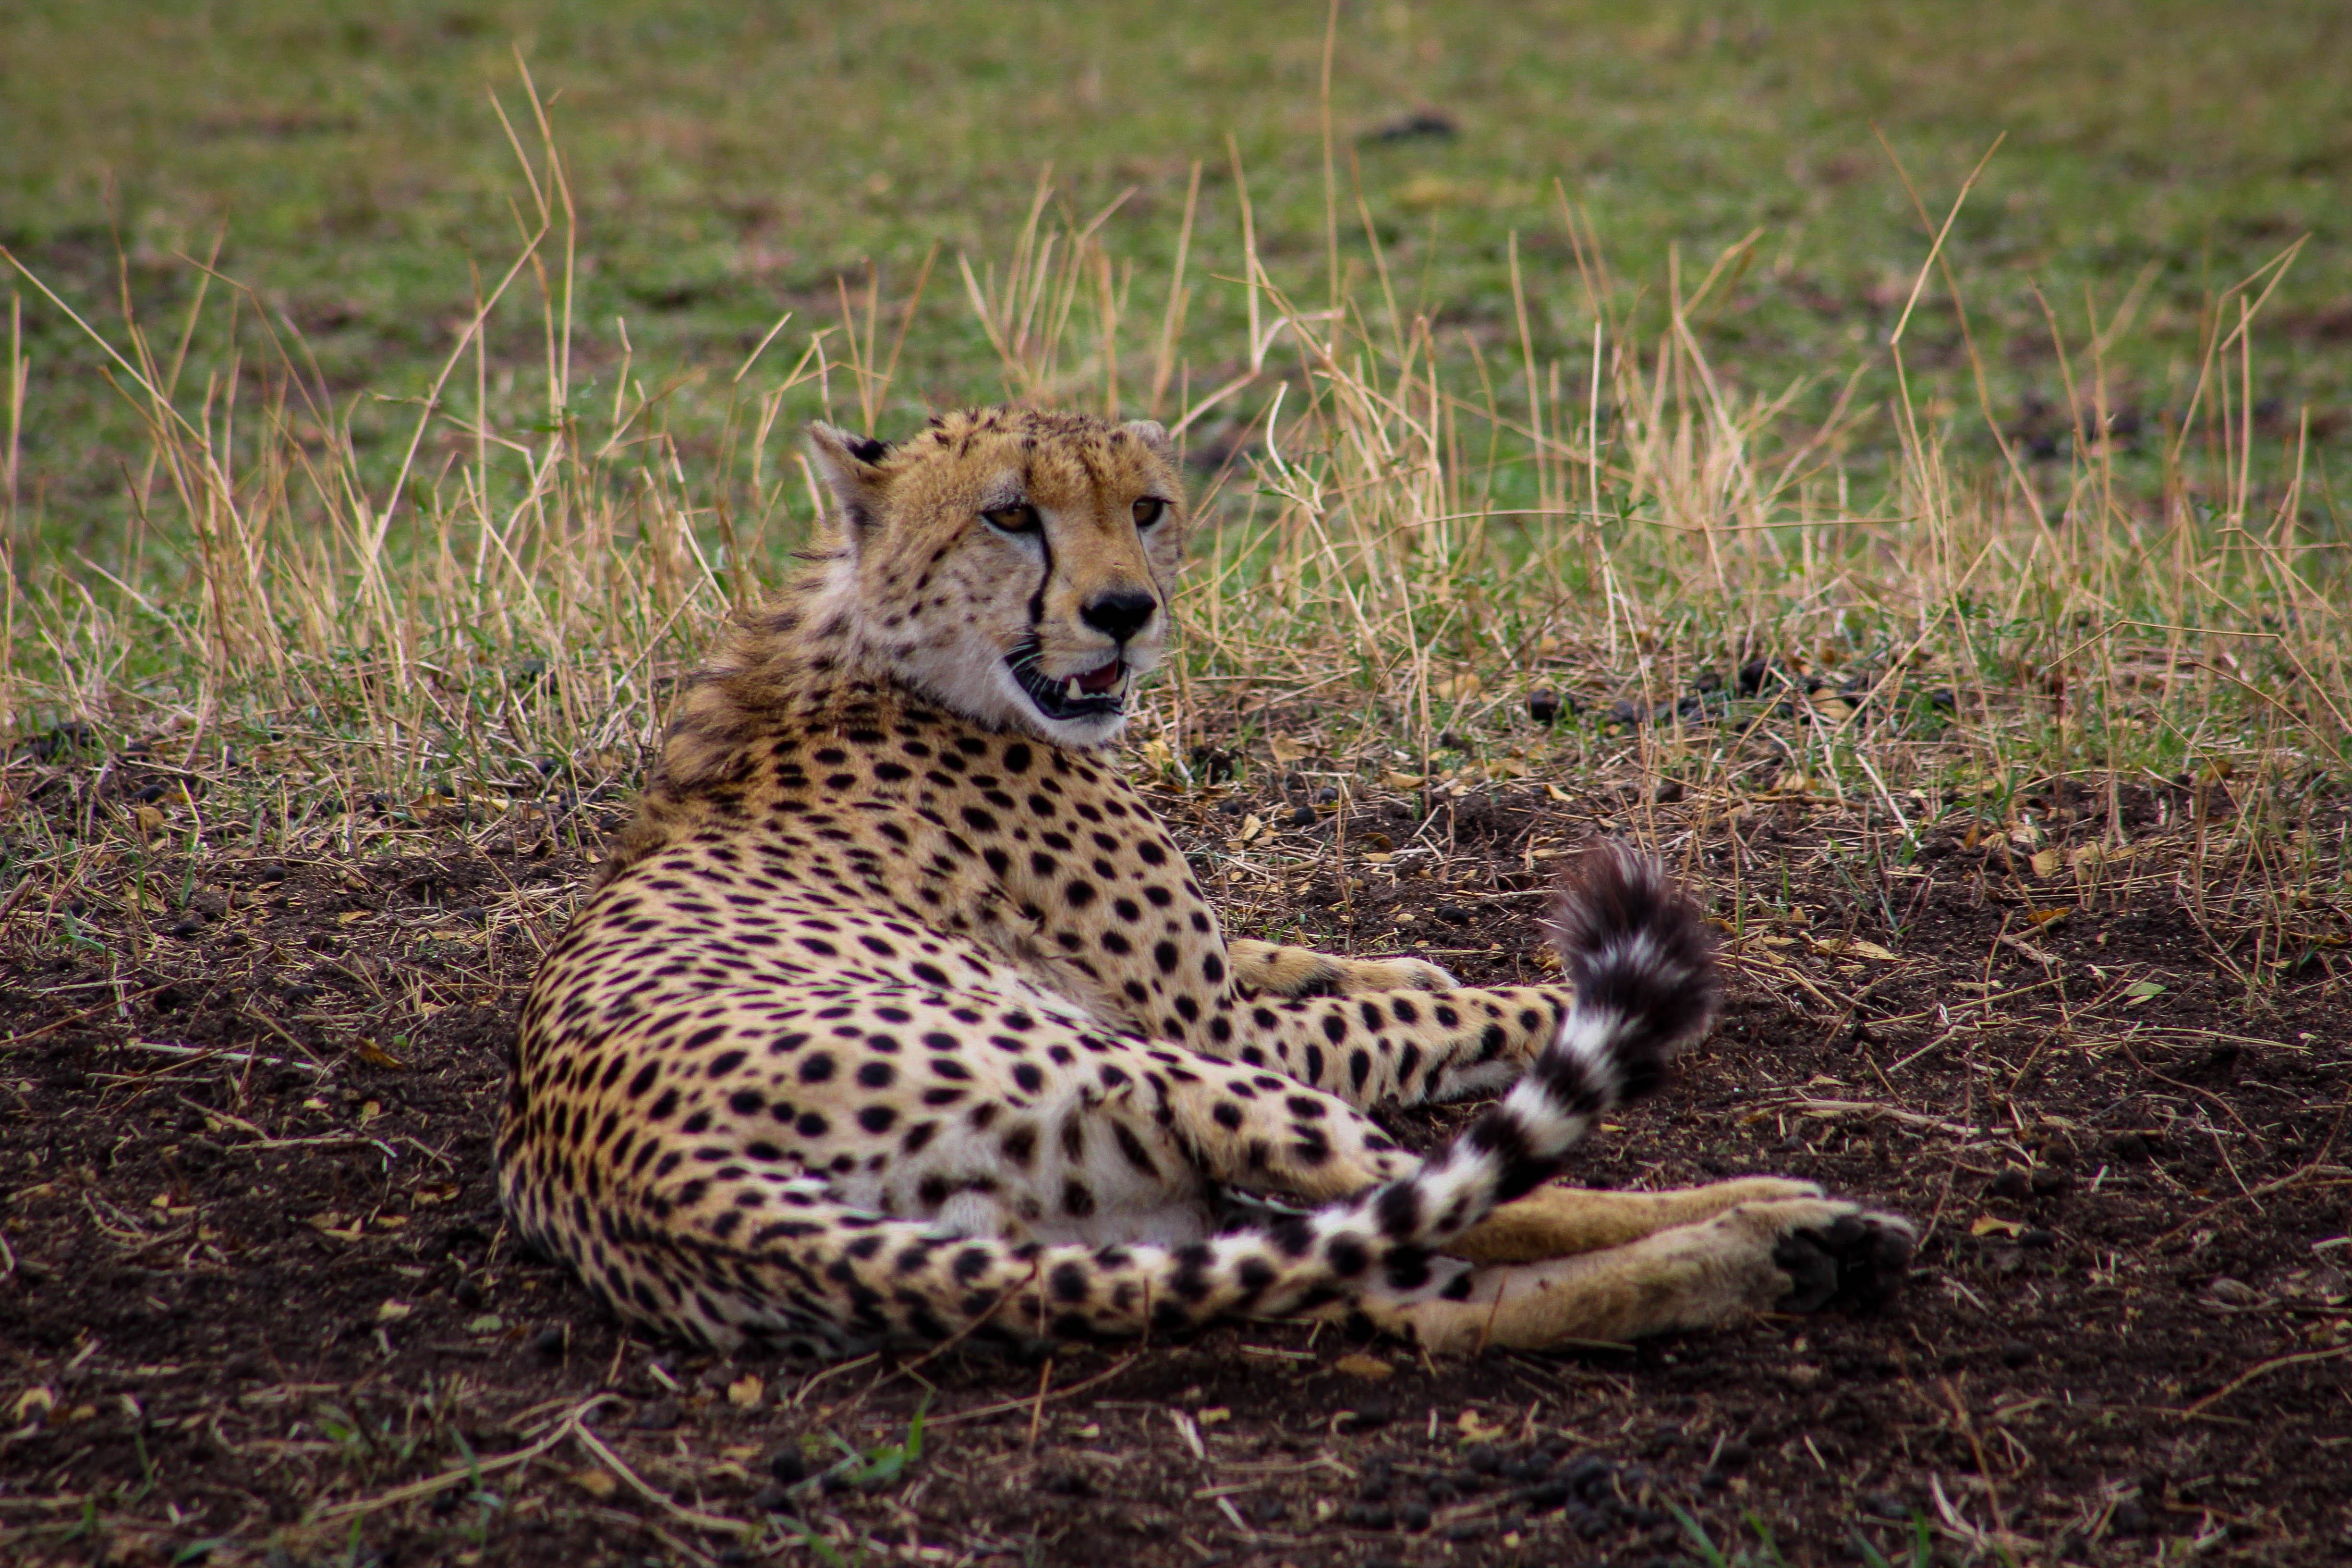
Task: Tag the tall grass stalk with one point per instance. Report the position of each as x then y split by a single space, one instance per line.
1409 527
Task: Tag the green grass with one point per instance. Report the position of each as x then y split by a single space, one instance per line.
1918 1552
1459 434
732 163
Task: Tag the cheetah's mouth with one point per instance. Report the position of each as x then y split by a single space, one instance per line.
1096 693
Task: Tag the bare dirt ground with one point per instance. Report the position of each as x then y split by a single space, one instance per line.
257 1303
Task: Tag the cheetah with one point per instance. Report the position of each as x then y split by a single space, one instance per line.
895 1016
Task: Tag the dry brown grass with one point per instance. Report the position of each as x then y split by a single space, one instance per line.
1391 557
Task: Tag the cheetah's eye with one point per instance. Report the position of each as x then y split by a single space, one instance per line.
1018 517
1148 510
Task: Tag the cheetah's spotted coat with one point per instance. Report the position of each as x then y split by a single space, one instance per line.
896 1015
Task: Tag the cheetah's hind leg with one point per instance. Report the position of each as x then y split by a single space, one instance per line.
1796 1254
1561 1221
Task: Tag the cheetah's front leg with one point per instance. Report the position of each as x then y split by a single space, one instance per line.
1270 969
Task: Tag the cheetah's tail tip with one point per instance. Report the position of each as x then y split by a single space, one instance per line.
1642 961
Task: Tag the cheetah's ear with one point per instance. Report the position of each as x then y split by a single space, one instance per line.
1151 432
851 466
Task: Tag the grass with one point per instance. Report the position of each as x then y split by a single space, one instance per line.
729 165
1958 494
1410 525
1918 1552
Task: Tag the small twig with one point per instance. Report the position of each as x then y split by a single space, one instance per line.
1984 1467
214 1053
2125 1046
1949 1007
2243 1378
1189 1430
210 1114
1003 1406
2040 955
1037 1411
802 1393
71 1019
2227 1164
432 1484
1942 1039
611 1461
321 1141
1865 1108
2281 1183
279 1029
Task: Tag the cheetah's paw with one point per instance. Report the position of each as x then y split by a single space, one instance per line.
1859 1258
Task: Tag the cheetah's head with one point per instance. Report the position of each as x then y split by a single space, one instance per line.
1013 565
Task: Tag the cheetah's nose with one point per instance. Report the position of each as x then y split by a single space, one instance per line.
1120 616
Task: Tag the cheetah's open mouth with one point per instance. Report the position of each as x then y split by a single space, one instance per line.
1092 694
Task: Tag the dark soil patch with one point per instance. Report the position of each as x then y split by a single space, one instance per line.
256 1291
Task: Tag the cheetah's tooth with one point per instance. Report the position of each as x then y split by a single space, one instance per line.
1075 694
